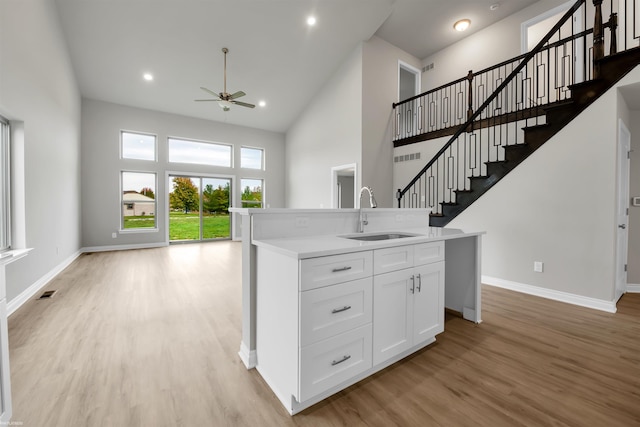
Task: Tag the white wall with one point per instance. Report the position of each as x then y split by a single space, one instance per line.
39 93
328 133
558 207
380 70
101 165
483 49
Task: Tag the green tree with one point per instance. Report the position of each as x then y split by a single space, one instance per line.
146 191
184 195
251 198
216 200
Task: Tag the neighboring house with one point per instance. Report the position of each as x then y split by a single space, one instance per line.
136 204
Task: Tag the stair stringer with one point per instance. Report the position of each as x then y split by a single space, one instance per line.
558 207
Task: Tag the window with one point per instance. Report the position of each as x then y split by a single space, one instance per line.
138 146
199 153
138 200
251 193
5 207
251 158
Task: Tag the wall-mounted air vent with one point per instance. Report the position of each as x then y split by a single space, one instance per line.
427 68
406 157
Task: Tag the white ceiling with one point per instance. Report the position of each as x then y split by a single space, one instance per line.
273 55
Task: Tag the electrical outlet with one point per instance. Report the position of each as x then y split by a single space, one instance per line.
114 235
538 266
302 221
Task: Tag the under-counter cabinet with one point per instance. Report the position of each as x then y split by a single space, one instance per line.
323 323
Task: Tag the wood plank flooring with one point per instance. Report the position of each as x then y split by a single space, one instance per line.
150 338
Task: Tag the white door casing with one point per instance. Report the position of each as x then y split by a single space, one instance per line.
622 209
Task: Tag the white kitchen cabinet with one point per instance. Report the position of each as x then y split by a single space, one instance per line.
326 322
408 303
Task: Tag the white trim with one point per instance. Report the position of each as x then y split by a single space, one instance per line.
597 304
334 183
633 288
415 71
28 293
248 357
533 21
123 247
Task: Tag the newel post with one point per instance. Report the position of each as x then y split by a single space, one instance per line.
470 91
598 38
613 28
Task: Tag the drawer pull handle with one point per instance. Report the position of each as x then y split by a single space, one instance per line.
340 310
344 359
337 270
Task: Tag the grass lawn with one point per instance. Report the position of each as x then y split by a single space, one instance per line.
187 226
143 221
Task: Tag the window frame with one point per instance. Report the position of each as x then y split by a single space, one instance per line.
124 205
262 157
198 141
5 184
155 145
262 192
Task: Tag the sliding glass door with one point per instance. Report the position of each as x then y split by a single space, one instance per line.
199 208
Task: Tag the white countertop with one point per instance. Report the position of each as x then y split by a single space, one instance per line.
323 245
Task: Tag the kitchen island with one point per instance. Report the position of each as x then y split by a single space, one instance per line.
327 306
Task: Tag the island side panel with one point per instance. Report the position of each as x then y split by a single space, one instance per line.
247 351
462 275
277 327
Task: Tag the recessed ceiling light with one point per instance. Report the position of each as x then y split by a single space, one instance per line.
462 24
147 76
311 21
262 104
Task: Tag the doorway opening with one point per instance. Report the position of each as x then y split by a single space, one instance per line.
344 188
199 208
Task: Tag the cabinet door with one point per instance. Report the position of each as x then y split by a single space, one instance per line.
392 314
428 302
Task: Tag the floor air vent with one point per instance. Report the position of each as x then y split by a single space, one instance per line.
47 294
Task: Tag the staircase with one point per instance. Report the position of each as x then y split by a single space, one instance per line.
517 118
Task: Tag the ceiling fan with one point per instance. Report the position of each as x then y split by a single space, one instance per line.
226 100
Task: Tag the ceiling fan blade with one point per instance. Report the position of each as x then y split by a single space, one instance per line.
238 94
210 91
202 100
243 104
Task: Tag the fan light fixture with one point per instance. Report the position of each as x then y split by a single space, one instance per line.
225 105
462 24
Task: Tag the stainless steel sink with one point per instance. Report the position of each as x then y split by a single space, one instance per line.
379 236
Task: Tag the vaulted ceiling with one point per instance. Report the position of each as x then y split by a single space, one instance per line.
273 54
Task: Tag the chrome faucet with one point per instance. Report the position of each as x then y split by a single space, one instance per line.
362 221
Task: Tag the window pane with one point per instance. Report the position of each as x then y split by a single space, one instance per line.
251 193
138 146
251 158
138 200
5 222
200 153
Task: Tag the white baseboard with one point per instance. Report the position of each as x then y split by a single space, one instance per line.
247 356
598 304
123 247
28 293
633 288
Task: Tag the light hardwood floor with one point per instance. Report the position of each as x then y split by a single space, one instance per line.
150 338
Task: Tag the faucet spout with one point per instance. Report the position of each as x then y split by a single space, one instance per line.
372 199
362 221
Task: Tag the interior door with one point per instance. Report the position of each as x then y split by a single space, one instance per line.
622 238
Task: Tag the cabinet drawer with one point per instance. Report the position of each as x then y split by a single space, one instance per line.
330 362
392 259
329 270
328 311
426 253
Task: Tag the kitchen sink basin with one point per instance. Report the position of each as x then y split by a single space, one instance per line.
379 236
